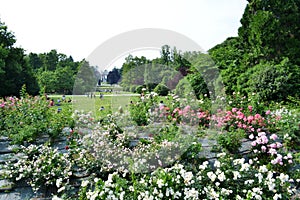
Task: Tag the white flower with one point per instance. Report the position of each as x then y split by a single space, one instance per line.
160 183
277 196
58 182
217 164
61 189
283 177
84 183
160 195
245 167
221 177
190 193
56 198
249 182
204 165
263 169
236 175
225 191
94 195
221 155
212 176
187 176
259 176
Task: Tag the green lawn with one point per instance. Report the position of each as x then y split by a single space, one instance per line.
110 102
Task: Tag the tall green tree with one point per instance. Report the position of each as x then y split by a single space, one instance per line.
14 70
269 35
114 76
270 30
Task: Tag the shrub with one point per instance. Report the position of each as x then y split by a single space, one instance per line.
151 86
275 82
139 89
232 140
161 90
41 166
133 88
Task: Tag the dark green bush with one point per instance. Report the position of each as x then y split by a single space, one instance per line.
139 88
275 81
161 90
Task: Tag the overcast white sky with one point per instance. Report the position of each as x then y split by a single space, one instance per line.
76 27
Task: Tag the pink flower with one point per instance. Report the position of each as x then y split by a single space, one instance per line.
273 145
268 112
259 130
253 143
273 162
264 139
263 148
250 119
250 108
257 116
272 151
273 137
234 109
240 115
278 144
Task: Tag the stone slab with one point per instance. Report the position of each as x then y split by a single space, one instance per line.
5 185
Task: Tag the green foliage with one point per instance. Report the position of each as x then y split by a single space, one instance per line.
133 88
184 88
54 71
139 113
113 76
23 120
161 90
198 84
289 126
232 140
272 82
14 71
264 57
270 30
167 133
191 158
150 86
139 89
85 79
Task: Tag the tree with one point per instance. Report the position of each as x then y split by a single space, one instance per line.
14 70
47 80
269 34
113 76
270 30
132 71
65 80
85 80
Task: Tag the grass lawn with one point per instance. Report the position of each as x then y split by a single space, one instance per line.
110 102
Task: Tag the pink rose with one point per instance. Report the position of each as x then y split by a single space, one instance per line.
273 137
250 108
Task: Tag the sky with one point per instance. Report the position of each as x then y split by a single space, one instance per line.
77 28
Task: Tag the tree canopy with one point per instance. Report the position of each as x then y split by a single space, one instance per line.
265 54
14 70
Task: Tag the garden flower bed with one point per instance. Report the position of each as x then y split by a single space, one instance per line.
183 152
